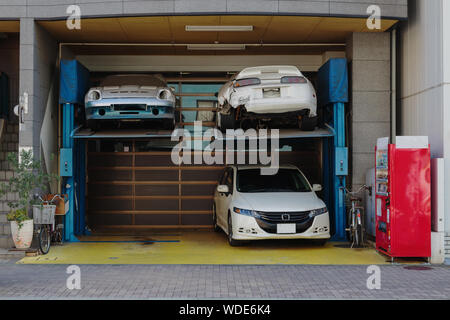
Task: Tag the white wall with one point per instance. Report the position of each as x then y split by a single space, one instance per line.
422 74
425 90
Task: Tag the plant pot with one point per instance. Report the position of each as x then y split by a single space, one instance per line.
22 237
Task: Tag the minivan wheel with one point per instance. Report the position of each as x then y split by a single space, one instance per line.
215 225
320 242
231 241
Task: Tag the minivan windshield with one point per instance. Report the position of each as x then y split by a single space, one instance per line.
285 180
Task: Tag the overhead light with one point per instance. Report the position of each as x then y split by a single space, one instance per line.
216 46
219 28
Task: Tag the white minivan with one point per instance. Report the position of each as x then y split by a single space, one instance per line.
252 206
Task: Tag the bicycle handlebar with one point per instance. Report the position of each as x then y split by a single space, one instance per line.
364 187
53 199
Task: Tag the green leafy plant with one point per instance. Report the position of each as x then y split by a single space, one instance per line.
28 178
19 215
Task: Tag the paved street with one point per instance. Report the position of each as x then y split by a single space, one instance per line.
221 282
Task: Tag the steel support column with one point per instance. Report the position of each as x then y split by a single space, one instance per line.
339 169
68 181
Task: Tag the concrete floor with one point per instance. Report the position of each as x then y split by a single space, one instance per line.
202 247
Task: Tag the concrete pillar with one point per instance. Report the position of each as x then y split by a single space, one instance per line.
369 58
38 56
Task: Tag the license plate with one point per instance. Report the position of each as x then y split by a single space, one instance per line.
271 92
286 228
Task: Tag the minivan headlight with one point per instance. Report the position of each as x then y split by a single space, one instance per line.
317 212
246 212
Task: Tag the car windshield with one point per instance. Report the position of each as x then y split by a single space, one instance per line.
286 180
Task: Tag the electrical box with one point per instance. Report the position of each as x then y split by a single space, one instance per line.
341 161
65 164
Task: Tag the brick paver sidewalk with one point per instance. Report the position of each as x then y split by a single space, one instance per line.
222 281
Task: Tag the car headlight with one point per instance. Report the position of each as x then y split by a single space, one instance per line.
317 212
165 94
94 95
246 212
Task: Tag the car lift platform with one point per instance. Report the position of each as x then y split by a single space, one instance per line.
84 133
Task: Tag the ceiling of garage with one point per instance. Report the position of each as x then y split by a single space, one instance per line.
161 29
9 26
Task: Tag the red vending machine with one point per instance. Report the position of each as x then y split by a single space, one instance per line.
403 197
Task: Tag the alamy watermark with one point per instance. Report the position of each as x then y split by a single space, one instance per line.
73 21
74 280
374 280
374 20
222 148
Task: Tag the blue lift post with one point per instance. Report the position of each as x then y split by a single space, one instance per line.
74 82
66 171
332 96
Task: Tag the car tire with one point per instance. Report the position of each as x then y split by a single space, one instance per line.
227 121
169 124
320 242
231 241
307 123
216 227
92 124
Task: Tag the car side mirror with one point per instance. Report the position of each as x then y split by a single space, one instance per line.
317 187
223 188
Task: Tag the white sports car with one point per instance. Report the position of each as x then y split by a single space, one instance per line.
259 96
251 206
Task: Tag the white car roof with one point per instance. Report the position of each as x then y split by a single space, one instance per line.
255 166
256 71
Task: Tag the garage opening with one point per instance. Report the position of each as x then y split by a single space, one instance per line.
127 181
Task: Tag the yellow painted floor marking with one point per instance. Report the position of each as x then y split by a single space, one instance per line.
201 247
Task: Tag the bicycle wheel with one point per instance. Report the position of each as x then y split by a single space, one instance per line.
349 226
44 239
353 234
358 228
359 231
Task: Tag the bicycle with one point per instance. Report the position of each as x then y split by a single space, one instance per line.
44 216
355 227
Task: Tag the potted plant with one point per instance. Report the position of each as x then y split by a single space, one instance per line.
28 178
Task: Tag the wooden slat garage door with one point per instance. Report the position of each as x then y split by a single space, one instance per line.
144 189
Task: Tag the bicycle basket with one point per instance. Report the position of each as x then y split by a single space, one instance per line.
44 214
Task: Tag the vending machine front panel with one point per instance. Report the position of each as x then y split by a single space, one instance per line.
403 198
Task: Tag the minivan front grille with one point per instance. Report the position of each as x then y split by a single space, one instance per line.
284 217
